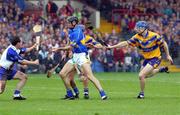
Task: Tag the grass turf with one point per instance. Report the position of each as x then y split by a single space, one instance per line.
162 96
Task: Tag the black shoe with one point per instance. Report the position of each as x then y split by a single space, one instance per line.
49 74
166 69
76 96
68 98
19 98
104 97
86 96
140 96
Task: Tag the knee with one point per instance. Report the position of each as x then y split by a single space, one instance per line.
141 76
62 74
25 78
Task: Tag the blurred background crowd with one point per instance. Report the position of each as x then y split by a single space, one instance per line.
163 16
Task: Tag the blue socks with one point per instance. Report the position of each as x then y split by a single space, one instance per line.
76 91
69 93
141 93
102 93
86 91
16 92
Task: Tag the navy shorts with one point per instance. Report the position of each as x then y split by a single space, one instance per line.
7 74
155 62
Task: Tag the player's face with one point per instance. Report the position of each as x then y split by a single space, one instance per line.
139 30
19 45
70 25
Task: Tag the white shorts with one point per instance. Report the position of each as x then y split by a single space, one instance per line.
79 59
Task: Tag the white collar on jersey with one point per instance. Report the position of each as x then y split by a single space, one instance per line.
13 47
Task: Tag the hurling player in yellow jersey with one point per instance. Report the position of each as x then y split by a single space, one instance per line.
149 44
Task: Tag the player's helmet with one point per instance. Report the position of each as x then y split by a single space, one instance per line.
142 24
73 18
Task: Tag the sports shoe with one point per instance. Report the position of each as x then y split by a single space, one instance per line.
68 98
104 97
140 96
76 96
164 69
19 98
49 74
86 96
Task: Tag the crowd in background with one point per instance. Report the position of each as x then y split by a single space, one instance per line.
14 22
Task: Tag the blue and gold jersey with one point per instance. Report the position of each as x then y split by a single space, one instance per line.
149 46
76 35
88 39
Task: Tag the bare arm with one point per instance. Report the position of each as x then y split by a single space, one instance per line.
90 45
31 48
119 45
26 62
61 48
166 49
98 46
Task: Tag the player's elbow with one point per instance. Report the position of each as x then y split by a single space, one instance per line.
125 43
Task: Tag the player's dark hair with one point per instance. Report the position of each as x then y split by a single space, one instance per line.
89 25
15 40
72 19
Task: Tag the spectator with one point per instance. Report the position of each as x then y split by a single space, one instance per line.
43 53
21 4
49 62
151 9
85 12
118 56
113 35
97 60
128 65
136 58
168 11
109 61
131 24
51 8
69 8
77 13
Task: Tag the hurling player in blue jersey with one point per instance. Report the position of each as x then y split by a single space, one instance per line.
10 56
80 57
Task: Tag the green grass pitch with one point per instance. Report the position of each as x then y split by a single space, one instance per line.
162 96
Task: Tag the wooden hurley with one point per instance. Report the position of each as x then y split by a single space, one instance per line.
37 29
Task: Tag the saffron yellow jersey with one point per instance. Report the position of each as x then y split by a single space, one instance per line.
149 45
88 39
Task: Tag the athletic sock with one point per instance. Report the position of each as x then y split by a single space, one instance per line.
17 93
86 91
69 93
141 93
102 93
76 91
